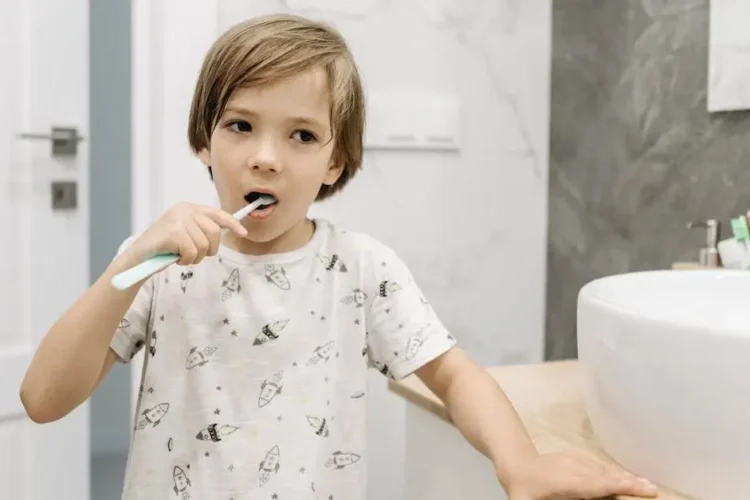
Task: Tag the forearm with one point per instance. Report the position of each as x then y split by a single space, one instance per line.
483 414
66 366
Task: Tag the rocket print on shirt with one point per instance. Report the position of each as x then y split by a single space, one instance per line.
181 482
152 416
339 460
333 263
269 465
215 432
382 368
357 297
415 342
319 424
199 357
270 332
388 287
231 286
269 389
185 277
152 347
322 353
277 276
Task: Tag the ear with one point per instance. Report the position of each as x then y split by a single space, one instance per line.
205 157
334 172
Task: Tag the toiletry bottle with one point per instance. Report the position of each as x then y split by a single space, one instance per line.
734 252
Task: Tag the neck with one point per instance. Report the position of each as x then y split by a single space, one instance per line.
296 237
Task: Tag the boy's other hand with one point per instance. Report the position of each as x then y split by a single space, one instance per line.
192 231
563 476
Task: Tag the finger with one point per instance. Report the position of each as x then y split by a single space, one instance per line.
620 484
225 220
212 231
186 248
200 240
640 486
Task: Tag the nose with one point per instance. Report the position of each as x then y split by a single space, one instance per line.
267 156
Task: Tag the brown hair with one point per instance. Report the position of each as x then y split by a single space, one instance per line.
270 48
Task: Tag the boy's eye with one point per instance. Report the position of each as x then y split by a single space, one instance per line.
240 126
304 136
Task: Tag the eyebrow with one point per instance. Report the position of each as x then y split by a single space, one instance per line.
294 119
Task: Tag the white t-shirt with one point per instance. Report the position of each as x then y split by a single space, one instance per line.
255 383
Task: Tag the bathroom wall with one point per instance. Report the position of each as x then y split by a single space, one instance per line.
470 224
634 154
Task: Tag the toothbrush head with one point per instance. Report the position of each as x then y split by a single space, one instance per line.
266 199
259 200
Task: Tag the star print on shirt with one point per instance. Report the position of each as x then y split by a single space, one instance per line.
226 321
217 411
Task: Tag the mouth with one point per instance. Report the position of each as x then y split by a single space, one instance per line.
263 211
254 195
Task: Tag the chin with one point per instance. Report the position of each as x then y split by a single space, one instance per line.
267 231
263 235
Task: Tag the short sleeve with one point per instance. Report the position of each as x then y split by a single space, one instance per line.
130 335
403 331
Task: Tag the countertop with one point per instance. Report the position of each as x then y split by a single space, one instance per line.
547 397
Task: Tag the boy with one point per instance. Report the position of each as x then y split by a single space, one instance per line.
257 343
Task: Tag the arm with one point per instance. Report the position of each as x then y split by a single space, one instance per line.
485 416
481 412
74 356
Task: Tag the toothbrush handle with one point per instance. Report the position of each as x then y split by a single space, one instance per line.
126 279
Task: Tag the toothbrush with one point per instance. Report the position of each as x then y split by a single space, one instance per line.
126 279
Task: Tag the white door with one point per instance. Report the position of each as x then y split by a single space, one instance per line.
43 249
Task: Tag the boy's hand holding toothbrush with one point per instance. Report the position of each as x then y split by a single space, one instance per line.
186 231
185 234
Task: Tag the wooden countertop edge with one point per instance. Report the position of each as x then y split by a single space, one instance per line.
415 392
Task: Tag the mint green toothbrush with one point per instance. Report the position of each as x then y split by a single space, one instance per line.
126 279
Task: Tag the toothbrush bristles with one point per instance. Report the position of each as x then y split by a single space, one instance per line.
261 201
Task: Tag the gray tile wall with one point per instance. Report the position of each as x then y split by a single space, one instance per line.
634 154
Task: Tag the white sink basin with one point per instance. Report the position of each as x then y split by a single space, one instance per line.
666 358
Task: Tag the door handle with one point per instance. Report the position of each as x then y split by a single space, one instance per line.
64 140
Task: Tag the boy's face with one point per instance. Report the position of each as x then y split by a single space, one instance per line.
274 139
